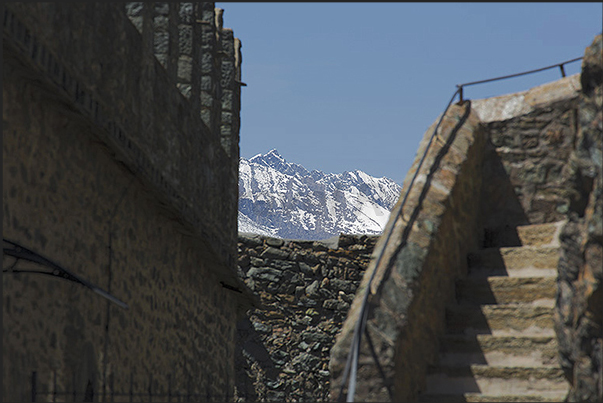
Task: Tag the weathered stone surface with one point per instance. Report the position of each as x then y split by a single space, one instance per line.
525 179
505 107
288 344
579 317
274 253
426 253
264 273
538 168
110 172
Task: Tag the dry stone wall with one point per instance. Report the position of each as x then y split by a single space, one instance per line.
306 288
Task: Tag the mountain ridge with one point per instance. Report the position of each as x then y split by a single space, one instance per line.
284 199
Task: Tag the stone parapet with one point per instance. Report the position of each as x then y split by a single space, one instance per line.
508 106
425 253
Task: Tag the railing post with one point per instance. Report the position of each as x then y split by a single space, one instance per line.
562 70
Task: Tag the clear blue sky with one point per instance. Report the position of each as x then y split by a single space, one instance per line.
344 86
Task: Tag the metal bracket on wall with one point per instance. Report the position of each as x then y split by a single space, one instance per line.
19 252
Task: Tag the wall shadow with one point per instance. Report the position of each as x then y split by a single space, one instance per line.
249 349
502 210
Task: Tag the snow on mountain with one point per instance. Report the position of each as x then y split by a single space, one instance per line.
285 200
247 225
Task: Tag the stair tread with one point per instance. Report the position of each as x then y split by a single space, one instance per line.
489 342
526 235
489 338
495 380
497 371
493 308
508 281
500 343
462 350
538 257
539 234
501 319
523 272
502 289
556 396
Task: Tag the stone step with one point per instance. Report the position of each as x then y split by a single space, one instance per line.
522 261
540 234
496 381
502 290
525 235
500 320
507 351
478 397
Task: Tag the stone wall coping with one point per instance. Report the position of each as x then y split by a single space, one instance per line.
508 106
331 243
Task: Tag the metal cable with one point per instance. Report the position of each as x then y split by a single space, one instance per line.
351 367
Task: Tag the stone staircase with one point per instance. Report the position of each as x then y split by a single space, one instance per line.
500 345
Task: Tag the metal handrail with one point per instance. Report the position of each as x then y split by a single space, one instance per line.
351 367
560 65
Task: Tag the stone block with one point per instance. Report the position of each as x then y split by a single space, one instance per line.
274 253
264 274
207 63
186 13
185 39
185 68
161 43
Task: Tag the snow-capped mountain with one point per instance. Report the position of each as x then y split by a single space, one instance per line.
285 200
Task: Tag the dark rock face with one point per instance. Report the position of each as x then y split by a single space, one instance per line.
579 312
306 288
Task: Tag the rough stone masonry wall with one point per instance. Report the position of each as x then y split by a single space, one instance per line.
543 164
306 287
97 61
579 310
531 136
416 276
100 151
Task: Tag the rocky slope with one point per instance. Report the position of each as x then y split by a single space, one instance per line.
285 200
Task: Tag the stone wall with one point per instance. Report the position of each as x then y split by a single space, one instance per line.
531 135
526 158
305 287
422 258
579 318
108 72
110 171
